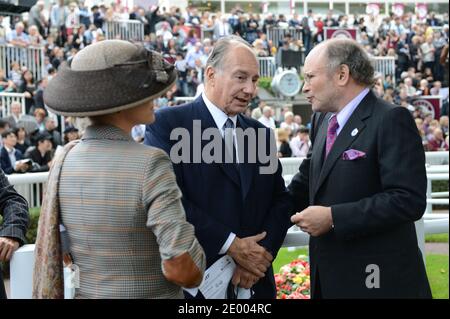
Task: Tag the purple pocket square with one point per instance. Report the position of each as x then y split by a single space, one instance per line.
351 155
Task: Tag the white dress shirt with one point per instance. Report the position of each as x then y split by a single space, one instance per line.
220 118
347 111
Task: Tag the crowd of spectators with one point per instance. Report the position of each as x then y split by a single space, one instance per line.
420 48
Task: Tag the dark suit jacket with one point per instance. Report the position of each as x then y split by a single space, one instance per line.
14 210
6 164
374 201
217 199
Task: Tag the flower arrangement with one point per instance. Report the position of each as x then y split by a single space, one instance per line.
293 280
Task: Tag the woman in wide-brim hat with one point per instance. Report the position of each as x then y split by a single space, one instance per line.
118 201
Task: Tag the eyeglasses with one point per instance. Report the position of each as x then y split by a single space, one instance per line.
308 76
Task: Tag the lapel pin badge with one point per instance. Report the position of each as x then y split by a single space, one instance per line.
354 132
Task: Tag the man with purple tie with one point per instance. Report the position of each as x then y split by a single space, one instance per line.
362 185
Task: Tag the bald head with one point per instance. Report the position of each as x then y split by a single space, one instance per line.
336 71
16 108
335 52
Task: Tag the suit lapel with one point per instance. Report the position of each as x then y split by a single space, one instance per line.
318 151
207 121
346 137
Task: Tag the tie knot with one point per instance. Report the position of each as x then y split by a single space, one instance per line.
228 124
333 124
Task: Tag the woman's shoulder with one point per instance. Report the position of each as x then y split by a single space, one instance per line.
151 153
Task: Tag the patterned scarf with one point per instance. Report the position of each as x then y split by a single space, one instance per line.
48 275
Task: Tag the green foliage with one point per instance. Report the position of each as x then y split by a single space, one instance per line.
266 84
32 229
437 270
284 257
436 238
439 186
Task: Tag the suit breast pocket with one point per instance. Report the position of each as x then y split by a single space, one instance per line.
359 165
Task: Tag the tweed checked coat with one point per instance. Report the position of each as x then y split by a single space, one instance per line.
126 220
14 210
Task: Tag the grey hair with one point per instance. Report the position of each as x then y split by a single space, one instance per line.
221 48
350 53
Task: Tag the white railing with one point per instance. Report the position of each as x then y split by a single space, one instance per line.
385 65
276 34
130 30
7 98
436 158
30 57
267 66
30 185
437 198
436 226
183 99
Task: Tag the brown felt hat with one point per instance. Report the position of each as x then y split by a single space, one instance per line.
107 77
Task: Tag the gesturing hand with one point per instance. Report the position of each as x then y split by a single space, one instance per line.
7 247
314 220
250 255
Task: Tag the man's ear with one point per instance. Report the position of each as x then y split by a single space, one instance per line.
210 75
343 75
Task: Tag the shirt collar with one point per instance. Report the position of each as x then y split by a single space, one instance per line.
218 115
347 111
105 132
10 150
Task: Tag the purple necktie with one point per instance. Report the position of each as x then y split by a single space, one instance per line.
333 126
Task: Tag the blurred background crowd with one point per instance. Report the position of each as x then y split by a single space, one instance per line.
30 135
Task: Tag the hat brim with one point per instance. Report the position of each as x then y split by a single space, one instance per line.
93 93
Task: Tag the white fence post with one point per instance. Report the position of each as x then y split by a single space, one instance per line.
21 272
420 232
267 66
21 275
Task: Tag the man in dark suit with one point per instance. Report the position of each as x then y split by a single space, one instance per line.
362 185
235 207
14 210
10 158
